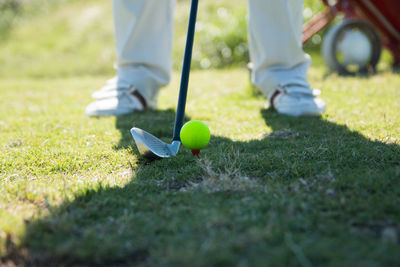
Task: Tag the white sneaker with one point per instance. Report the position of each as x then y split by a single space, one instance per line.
121 103
297 100
112 88
109 92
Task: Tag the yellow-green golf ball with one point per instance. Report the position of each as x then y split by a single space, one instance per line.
195 135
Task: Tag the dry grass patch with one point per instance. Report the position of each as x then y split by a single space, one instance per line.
227 178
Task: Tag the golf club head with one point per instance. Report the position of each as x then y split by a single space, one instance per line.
151 147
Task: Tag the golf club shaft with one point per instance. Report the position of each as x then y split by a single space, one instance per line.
180 111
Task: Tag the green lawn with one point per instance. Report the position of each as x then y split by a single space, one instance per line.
269 190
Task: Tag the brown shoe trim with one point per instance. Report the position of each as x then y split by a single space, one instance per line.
274 95
139 97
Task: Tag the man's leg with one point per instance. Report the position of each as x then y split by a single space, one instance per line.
143 39
279 62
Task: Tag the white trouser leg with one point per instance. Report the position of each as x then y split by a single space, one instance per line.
144 37
275 44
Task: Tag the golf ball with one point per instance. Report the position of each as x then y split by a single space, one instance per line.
195 135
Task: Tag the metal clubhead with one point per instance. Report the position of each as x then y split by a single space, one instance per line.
152 147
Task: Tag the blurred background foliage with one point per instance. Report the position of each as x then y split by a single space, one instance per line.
42 37
222 34
9 10
13 10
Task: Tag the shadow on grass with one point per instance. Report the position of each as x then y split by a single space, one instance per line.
331 194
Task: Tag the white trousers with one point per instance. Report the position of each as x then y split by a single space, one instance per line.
144 39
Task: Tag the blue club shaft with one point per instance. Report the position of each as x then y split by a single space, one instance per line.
187 60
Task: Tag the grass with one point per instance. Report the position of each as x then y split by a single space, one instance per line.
268 190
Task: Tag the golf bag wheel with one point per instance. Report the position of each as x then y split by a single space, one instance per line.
351 47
